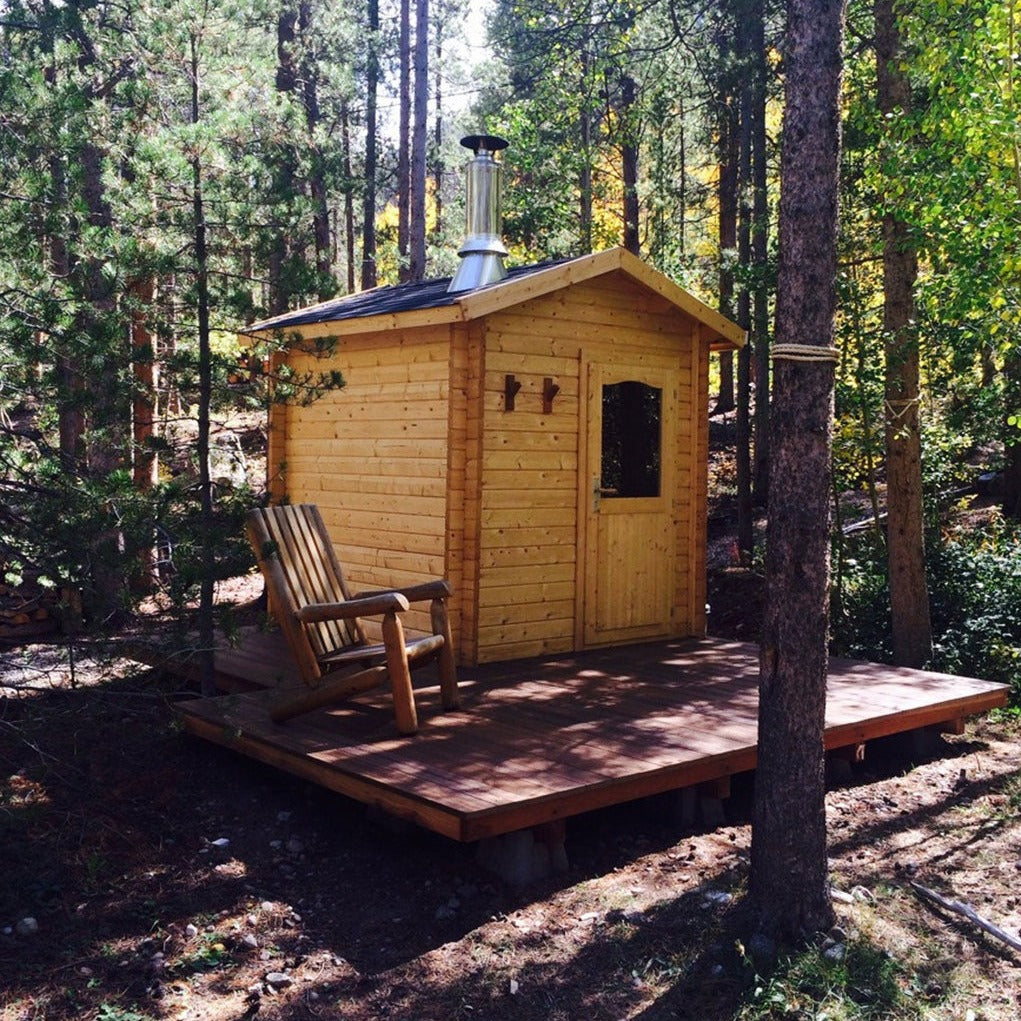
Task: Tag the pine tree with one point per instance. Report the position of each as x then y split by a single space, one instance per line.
789 881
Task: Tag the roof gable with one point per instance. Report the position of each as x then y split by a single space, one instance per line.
428 302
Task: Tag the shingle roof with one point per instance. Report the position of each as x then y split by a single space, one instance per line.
384 300
428 303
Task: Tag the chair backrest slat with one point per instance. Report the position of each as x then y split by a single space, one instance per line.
302 569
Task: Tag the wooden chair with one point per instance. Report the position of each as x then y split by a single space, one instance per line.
320 619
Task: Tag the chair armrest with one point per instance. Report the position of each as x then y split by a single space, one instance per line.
370 605
438 589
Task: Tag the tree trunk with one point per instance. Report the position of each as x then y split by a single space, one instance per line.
321 238
629 162
657 230
403 132
416 269
789 882
682 181
729 143
1012 435
909 591
207 552
70 410
760 250
144 467
1012 357
369 194
745 532
108 408
349 199
585 173
284 163
437 165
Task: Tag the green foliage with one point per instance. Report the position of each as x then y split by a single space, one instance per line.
975 603
210 952
975 598
115 1012
866 984
579 82
99 143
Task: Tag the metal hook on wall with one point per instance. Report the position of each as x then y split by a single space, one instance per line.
510 390
549 391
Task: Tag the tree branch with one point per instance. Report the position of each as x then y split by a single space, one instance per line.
961 908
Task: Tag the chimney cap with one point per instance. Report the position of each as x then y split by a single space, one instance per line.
484 143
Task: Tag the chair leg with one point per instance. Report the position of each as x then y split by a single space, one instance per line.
400 675
449 695
327 693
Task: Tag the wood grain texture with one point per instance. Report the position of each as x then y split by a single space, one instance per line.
542 740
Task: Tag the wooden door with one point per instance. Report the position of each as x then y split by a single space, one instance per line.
630 538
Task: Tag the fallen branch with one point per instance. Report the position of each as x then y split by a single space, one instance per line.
961 908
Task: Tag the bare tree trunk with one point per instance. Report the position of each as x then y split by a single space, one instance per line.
403 132
760 251
656 215
349 200
437 166
909 591
1012 434
1012 359
789 880
369 193
416 269
682 181
145 466
745 532
70 409
585 173
321 238
726 190
629 162
284 162
108 409
207 554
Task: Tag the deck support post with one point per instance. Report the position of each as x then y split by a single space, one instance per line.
702 804
926 742
711 796
840 760
525 856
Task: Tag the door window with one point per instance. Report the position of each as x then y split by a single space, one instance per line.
632 413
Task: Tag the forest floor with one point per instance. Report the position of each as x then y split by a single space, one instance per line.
168 878
149 875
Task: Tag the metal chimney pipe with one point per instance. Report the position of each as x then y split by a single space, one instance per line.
483 250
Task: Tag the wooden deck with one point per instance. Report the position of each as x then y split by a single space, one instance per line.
538 741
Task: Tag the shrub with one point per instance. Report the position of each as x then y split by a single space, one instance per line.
975 603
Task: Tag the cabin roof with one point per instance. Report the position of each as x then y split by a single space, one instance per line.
428 302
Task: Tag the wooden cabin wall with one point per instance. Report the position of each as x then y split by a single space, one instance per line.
697 577
530 482
467 357
374 456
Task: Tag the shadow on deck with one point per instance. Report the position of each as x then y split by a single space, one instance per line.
538 741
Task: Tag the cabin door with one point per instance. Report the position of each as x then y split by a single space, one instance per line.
630 538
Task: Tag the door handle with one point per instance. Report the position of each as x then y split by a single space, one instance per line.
599 491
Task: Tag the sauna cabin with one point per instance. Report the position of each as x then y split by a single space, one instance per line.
538 436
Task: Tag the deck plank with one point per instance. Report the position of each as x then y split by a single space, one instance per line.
541 740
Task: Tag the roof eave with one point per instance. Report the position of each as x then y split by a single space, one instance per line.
722 333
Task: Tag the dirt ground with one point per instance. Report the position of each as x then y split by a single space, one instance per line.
168 878
145 874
